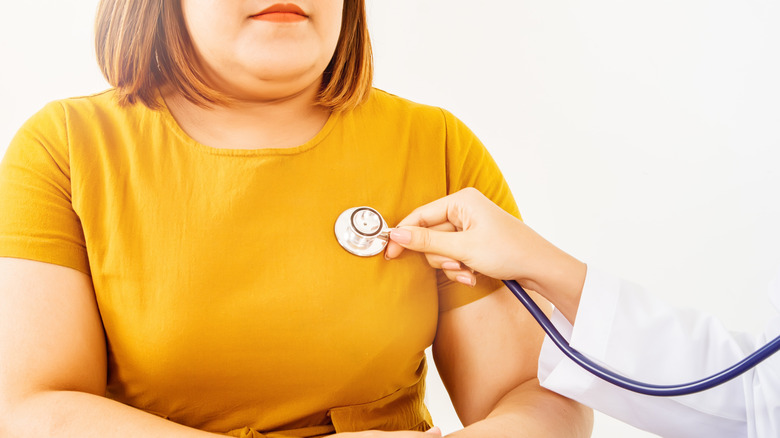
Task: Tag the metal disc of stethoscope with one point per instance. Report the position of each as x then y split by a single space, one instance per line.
362 231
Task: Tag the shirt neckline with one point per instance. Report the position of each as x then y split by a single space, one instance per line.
174 126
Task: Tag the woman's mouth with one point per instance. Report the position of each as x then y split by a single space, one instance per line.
281 13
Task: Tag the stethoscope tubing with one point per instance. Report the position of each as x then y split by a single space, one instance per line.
634 385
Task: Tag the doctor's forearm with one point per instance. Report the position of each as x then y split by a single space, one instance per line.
532 411
559 278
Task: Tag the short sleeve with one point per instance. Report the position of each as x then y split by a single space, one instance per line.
38 221
470 165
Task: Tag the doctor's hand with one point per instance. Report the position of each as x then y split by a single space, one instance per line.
486 239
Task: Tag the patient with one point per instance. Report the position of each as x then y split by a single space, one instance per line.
167 259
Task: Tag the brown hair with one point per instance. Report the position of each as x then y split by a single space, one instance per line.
142 45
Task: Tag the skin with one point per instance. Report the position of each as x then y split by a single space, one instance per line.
53 372
490 241
272 71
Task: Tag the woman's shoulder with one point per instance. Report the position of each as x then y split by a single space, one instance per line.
85 115
391 105
98 107
77 126
93 109
388 109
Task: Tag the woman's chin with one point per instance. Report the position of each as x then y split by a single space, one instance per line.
264 89
265 79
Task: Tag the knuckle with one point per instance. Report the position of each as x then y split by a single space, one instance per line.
412 219
425 239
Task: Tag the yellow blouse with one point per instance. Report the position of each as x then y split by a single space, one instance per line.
227 303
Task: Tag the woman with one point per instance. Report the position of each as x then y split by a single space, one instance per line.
168 246
610 320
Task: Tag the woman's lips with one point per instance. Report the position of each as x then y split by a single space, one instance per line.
281 13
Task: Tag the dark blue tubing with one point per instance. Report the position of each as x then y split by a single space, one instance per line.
632 385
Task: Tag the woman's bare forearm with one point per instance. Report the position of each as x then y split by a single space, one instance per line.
83 415
532 411
53 366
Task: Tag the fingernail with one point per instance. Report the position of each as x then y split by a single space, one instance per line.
452 266
465 279
401 236
435 430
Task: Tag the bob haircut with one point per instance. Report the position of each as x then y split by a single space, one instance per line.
142 45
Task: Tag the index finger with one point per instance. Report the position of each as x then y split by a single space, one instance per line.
433 214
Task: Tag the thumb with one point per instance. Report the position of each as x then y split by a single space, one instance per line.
445 243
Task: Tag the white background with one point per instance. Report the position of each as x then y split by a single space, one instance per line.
643 137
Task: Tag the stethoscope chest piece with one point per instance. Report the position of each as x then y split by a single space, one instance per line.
362 231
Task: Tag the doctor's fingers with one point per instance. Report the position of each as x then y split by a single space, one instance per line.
464 275
461 210
439 211
446 244
429 215
394 249
453 269
442 262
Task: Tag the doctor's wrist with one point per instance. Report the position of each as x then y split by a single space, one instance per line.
561 283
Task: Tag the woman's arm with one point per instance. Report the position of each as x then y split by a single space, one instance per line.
486 353
53 350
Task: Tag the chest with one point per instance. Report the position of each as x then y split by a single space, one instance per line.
232 267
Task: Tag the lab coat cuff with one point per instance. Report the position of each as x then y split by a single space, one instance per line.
596 313
558 373
590 335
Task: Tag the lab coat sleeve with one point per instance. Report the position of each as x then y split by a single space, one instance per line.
620 325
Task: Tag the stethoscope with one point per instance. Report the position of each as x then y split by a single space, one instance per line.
362 231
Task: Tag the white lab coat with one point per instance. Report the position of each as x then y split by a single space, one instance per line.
621 325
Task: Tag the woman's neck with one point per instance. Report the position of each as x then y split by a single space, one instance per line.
279 123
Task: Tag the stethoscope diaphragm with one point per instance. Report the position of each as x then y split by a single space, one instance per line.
362 231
